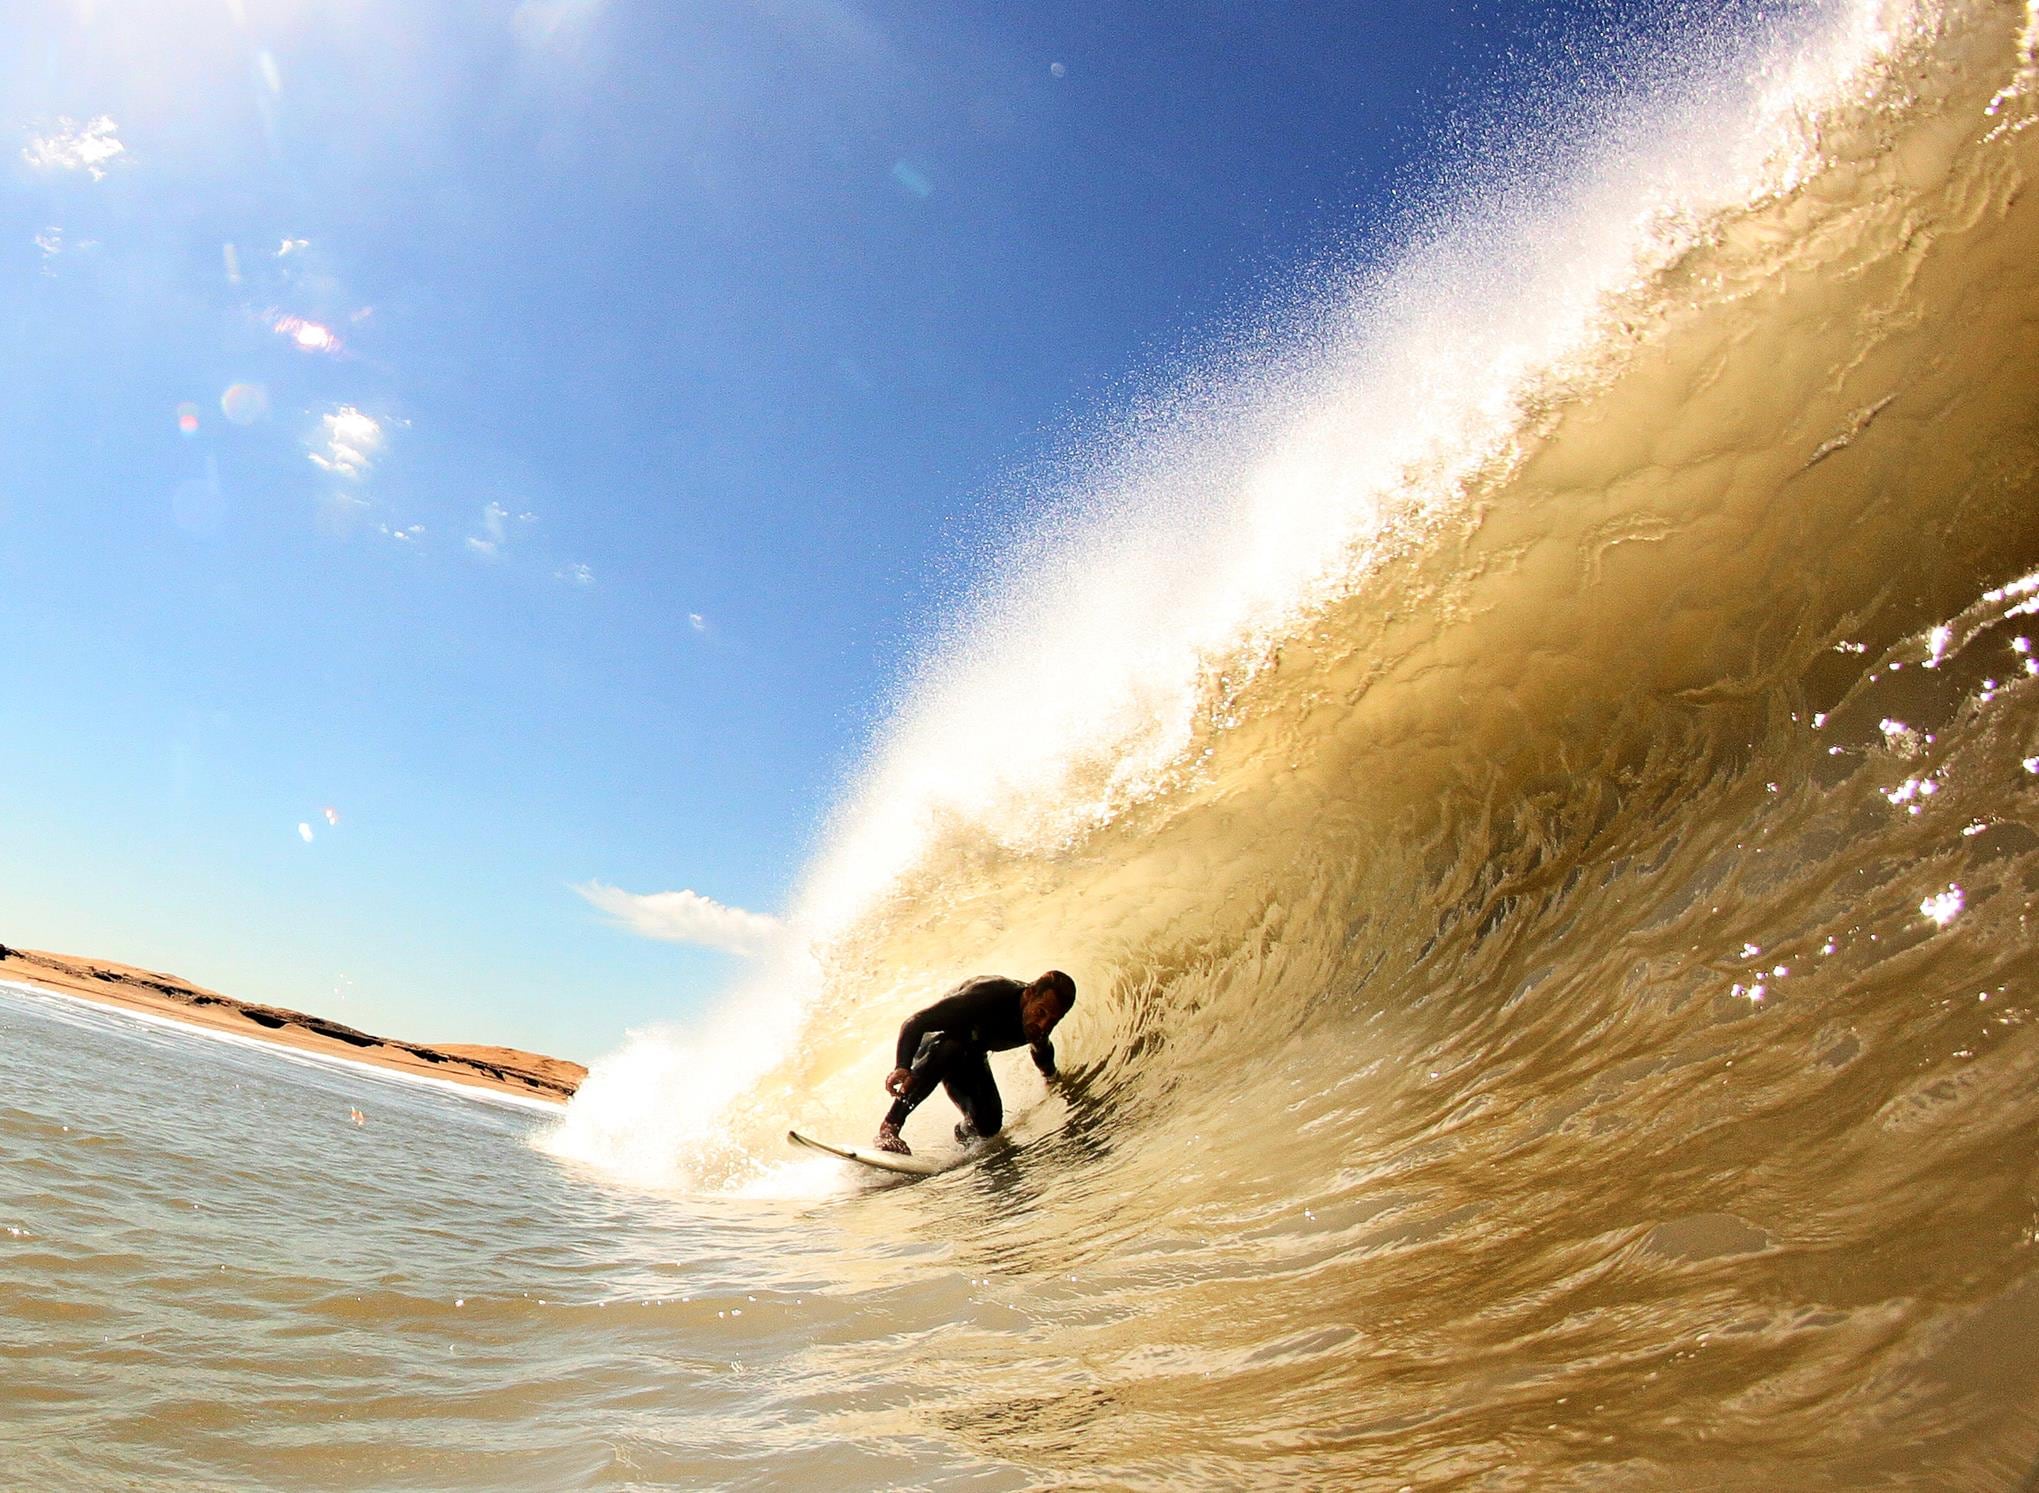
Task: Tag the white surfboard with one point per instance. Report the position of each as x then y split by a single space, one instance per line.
884 1161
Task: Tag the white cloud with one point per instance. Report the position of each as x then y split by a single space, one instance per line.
290 246
577 574
696 621
304 832
489 542
89 147
352 441
686 917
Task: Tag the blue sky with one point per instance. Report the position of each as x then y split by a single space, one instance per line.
458 454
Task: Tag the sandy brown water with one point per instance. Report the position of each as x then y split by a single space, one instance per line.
213 1277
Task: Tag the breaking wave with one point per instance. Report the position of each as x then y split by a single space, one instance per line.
1533 771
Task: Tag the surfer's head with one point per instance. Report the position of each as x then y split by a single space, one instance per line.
1046 1002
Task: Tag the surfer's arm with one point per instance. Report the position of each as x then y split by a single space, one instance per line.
940 1017
1043 1054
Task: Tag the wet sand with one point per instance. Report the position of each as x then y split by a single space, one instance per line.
504 1070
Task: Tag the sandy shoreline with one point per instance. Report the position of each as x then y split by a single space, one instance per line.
504 1070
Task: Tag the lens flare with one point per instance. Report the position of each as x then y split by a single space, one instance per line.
244 404
187 418
311 336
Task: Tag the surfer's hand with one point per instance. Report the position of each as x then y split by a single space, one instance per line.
896 1082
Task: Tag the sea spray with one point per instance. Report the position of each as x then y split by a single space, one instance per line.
655 1111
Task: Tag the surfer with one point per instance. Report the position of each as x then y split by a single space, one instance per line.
948 1042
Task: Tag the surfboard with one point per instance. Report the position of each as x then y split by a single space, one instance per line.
884 1161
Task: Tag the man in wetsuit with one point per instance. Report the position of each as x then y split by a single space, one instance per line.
946 1044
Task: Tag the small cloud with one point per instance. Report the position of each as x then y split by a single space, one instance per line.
230 257
912 179
350 443
576 574
696 621
409 534
489 542
685 917
50 241
292 246
304 832
90 147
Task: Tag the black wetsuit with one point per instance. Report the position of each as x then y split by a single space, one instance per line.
947 1043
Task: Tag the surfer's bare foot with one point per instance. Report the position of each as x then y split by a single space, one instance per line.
888 1140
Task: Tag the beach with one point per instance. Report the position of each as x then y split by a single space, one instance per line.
502 1070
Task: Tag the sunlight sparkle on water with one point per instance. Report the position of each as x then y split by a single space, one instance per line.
1944 908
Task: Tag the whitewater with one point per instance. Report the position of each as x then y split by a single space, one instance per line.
1530 752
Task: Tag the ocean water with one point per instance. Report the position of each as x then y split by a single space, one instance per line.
1534 767
215 1277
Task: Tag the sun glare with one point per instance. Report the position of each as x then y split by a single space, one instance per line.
311 336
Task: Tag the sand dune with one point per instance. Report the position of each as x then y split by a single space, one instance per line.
504 1069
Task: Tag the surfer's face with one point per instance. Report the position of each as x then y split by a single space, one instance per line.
1039 1011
